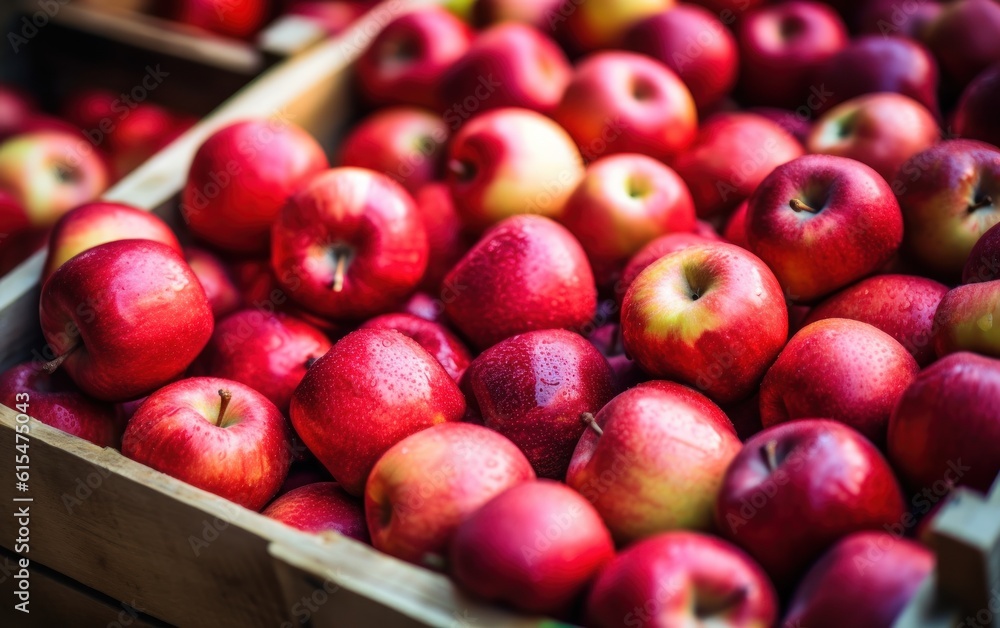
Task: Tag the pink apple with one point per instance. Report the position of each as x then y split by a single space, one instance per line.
435 338
223 296
320 507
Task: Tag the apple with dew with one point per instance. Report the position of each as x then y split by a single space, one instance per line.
975 114
96 312
446 243
215 434
963 38
711 316
427 484
968 319
214 277
241 177
450 352
526 273
796 488
511 161
623 102
653 460
321 507
599 24
984 259
371 390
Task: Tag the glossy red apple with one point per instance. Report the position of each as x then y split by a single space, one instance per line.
963 38
434 337
984 259
136 137
660 247
232 18
223 296
974 115
445 241
321 507
968 319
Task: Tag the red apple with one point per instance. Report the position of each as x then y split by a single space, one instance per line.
599 24
321 507
124 318
240 179
215 434
660 247
349 244
535 547
682 579
139 135
905 22
975 115
537 13
232 18
729 11
374 388
445 241
434 337
526 273
711 316
736 227
423 305
984 259
963 38
16 106
426 485
968 319
87 108
223 296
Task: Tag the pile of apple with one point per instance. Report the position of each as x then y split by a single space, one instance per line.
507 321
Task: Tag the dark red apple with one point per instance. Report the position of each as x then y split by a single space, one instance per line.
975 114
963 38
222 294
434 337
984 259
321 507
445 242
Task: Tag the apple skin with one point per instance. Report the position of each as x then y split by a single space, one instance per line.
535 547
857 228
51 172
511 161
946 426
88 225
423 305
406 62
682 572
177 431
937 190
731 155
404 143
623 102
427 484
781 46
533 387
56 402
526 273
695 44
362 217
434 337
795 123
963 38
507 65
95 310
881 130
902 306
888 17
864 580
735 231
446 242
984 259
600 24
658 464
841 369
139 135
374 388
241 177
16 106
267 352
624 202
711 316
658 248
968 319
222 293
232 18
796 488
537 13
321 507
975 114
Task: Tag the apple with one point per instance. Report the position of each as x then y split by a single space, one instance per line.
406 61
427 484
139 135
729 158
423 305
533 387
320 507
86 108
507 65
822 222
729 11
695 44
445 241
535 547
889 17
839 369
624 202
865 579
599 24
623 102
537 13
950 196
232 18
881 130
215 434
404 143
374 388
349 244
511 161
56 402
124 318
974 116
902 306
223 296
435 338
88 225
945 430
963 38
795 123
984 259
653 460
781 46
873 63
682 579
51 172
16 107
241 177
710 316
968 319
658 248
735 231
526 273
797 488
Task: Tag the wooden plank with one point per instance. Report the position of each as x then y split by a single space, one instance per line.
926 609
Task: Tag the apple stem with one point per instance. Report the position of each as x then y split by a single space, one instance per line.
51 366
771 454
226 396
591 422
981 202
799 206
338 273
